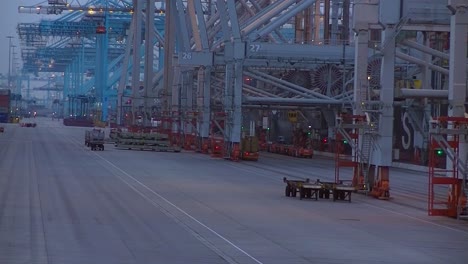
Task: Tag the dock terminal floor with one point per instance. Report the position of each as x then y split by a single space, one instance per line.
62 203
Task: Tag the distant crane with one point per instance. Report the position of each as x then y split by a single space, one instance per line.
57 7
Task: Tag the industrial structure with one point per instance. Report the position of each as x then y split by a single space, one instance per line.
370 80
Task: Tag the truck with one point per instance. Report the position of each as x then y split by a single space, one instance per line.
249 148
94 139
4 105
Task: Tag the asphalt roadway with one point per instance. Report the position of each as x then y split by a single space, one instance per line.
62 203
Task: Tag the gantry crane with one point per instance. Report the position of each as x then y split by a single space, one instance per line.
83 39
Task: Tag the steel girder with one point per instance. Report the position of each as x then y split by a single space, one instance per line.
232 45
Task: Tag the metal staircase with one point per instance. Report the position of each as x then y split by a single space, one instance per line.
463 201
366 155
446 134
359 133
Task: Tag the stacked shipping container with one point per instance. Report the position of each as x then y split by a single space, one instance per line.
4 105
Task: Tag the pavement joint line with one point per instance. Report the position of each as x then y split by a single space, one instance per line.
173 205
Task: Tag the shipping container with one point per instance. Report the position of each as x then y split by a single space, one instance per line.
3 117
5 92
4 105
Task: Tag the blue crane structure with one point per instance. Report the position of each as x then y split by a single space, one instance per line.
86 44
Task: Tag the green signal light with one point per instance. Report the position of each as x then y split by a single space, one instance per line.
440 152
345 141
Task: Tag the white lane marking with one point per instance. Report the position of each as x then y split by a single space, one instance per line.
179 209
263 175
175 206
180 222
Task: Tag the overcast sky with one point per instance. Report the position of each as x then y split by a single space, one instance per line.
9 19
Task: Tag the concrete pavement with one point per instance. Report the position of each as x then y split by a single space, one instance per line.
62 203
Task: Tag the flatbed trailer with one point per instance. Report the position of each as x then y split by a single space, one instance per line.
145 141
156 147
294 186
343 192
94 139
28 124
318 189
291 150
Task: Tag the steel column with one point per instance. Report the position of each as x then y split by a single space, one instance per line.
203 101
169 45
194 23
222 9
458 54
458 68
201 25
326 22
387 79
124 72
235 134
137 39
66 91
231 6
101 74
182 30
149 58
360 70
335 33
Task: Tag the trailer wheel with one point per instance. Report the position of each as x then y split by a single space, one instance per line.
287 191
294 192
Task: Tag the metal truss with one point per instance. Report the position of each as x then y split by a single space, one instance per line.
261 62
72 44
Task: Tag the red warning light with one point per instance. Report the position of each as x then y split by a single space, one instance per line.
100 29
